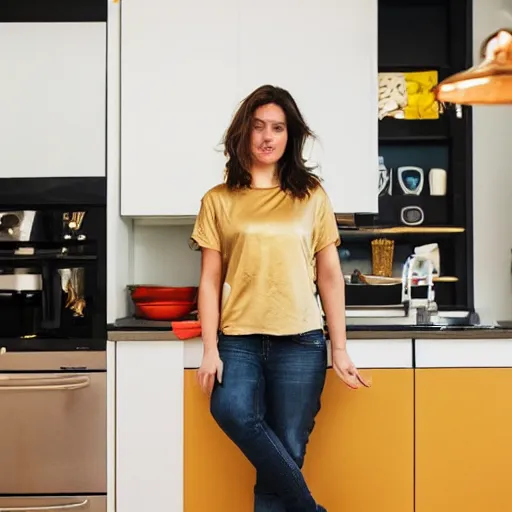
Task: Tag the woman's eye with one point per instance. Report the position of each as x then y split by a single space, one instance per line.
279 128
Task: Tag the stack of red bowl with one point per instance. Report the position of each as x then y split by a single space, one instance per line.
164 303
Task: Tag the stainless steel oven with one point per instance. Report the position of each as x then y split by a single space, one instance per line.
53 442
53 379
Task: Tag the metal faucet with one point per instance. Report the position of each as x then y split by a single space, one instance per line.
424 307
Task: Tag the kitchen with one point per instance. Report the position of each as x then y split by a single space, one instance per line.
419 376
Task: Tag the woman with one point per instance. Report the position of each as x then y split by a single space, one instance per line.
268 238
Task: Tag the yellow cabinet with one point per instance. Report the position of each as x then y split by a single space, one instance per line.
217 477
463 440
360 457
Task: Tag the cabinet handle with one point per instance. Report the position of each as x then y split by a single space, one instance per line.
54 384
49 508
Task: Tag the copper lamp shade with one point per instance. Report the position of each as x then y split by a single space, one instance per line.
488 83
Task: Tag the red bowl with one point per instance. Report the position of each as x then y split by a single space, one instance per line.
164 311
164 294
186 329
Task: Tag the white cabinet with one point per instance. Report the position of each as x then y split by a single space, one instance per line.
380 353
484 352
185 66
179 89
53 90
148 424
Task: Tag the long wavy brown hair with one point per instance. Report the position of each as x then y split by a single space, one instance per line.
294 176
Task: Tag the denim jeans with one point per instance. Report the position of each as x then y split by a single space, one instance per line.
266 404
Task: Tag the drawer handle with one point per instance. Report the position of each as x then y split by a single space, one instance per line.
54 384
49 508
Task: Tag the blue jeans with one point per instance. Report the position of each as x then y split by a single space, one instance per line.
266 404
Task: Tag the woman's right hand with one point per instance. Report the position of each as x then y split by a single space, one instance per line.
211 368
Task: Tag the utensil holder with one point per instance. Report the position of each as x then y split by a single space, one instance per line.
382 257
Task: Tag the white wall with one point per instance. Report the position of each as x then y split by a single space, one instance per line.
492 181
162 256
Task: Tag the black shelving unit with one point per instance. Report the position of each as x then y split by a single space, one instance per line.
424 35
399 131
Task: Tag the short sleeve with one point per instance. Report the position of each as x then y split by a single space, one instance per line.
325 231
206 231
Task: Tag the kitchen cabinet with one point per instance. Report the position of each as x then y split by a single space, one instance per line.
463 442
148 425
165 451
212 463
53 113
360 456
185 66
361 452
493 350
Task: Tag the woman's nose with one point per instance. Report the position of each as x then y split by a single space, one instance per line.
267 134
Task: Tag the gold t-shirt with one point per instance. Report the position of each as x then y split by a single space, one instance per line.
268 241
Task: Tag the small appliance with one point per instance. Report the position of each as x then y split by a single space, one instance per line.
411 179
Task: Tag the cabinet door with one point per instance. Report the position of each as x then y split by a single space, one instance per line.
53 90
179 90
463 442
325 54
149 426
217 477
360 457
186 66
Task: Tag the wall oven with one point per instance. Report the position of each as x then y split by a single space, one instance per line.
52 345
52 264
53 442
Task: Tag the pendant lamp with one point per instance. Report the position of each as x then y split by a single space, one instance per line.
488 83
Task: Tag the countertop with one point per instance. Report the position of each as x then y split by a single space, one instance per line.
353 332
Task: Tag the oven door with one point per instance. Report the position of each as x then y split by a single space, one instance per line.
54 504
53 432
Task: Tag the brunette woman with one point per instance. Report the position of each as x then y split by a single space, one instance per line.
268 237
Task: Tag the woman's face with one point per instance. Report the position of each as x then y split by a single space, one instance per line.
269 135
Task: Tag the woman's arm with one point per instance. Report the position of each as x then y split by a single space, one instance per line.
332 292
209 313
209 296
331 286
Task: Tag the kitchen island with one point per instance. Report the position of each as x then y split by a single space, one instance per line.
399 446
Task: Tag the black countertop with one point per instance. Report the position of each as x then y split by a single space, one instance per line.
132 329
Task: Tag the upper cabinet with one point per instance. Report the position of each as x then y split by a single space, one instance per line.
53 91
186 65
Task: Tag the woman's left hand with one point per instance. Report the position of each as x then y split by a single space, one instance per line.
345 369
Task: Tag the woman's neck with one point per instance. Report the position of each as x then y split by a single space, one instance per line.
264 176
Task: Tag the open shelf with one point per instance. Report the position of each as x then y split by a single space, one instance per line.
415 230
398 67
398 280
403 230
440 143
427 130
